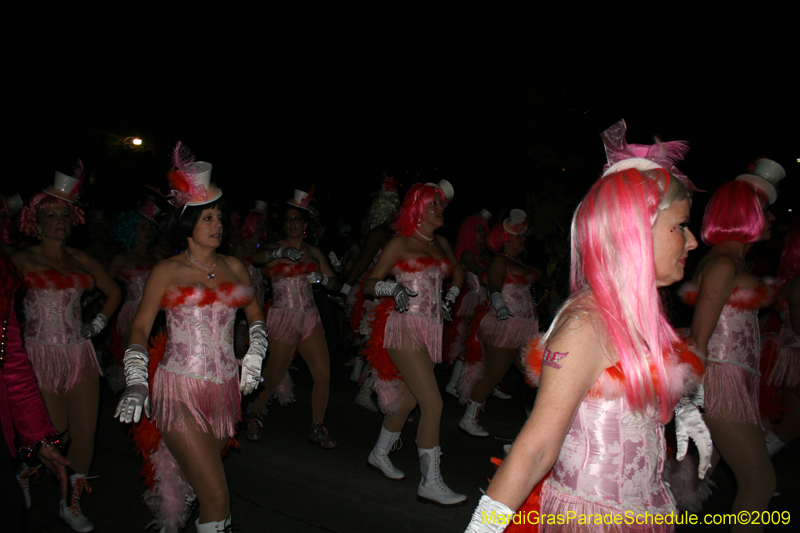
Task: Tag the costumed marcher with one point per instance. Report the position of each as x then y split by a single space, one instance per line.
191 378
22 412
56 339
498 335
609 370
726 298
473 254
406 339
255 232
293 266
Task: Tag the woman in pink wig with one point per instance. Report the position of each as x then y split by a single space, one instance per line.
727 297
193 377
499 334
610 368
406 340
57 341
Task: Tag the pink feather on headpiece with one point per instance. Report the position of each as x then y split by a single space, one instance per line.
665 154
78 174
182 182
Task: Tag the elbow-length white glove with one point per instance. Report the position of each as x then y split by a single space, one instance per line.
285 252
136 396
689 424
449 303
500 307
251 364
402 295
94 327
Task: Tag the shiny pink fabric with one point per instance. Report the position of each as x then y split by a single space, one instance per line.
515 331
293 316
736 339
134 279
786 371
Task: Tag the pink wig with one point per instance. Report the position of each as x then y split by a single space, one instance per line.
249 226
417 197
467 240
734 213
789 265
498 237
613 262
30 213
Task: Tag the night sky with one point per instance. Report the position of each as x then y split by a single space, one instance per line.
508 106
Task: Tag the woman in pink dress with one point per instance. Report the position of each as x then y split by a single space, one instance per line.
406 339
255 232
56 339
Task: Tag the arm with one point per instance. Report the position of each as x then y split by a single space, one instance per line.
107 286
273 252
792 292
253 359
469 260
717 281
372 243
328 278
496 274
458 273
116 265
375 287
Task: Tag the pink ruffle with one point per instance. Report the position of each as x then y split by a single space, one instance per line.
388 393
405 331
58 368
786 372
284 392
688 490
291 327
125 317
511 333
471 373
731 393
215 407
167 499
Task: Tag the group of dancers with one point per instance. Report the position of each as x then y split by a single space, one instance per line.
611 371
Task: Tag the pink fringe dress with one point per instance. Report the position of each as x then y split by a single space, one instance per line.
134 279
256 280
418 328
293 316
511 333
734 352
612 459
786 371
58 353
199 376
456 332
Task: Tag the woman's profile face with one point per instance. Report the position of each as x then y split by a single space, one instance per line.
208 229
433 213
769 218
672 242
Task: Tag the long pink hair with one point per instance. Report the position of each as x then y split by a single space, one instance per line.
249 226
30 213
734 213
467 240
417 197
498 237
789 265
613 262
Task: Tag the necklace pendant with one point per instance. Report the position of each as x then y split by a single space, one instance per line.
210 275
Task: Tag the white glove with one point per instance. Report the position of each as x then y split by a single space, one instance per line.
318 277
449 303
251 364
499 304
481 521
341 298
136 395
689 424
94 327
400 294
336 263
285 252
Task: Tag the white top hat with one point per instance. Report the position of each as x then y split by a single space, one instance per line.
64 187
202 178
301 199
516 223
639 163
149 209
765 176
261 207
485 215
446 188
13 204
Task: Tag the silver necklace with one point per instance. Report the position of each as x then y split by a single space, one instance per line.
429 241
196 261
520 263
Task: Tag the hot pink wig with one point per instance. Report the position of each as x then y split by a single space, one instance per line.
417 197
498 237
467 240
789 265
613 262
249 226
30 213
734 213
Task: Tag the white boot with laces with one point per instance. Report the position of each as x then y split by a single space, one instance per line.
70 510
432 487
379 456
469 422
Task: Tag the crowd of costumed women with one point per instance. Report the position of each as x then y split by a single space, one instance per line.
612 373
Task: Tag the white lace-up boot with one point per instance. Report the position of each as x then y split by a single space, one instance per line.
469 422
379 456
70 511
214 527
452 385
432 487
364 397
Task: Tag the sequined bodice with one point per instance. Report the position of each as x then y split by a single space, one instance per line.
424 276
291 288
517 295
53 306
736 339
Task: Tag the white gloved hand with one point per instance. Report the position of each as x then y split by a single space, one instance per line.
136 396
318 277
341 298
253 359
689 424
336 263
487 507
94 327
449 303
402 295
285 252
499 304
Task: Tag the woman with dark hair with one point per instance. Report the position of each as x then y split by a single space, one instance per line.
499 334
293 266
255 232
195 390
57 342
727 297
406 339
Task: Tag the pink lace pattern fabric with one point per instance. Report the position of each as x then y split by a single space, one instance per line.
58 353
293 316
134 279
515 331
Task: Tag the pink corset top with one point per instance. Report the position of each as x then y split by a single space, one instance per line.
517 295
200 330
134 279
290 287
424 275
472 283
53 306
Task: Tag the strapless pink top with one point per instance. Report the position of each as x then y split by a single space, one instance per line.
425 276
290 287
53 306
134 279
517 295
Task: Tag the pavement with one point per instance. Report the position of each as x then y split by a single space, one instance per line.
283 484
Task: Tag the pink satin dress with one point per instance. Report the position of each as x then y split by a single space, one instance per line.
134 279
58 353
293 316
786 371
514 331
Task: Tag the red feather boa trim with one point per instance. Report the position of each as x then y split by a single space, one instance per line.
373 350
752 298
473 346
53 279
290 270
421 263
230 294
358 308
451 336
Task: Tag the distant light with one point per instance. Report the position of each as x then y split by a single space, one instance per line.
563 169
790 209
137 141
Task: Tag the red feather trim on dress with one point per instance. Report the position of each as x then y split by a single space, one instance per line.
358 307
421 263
53 279
373 350
132 272
229 294
290 270
752 298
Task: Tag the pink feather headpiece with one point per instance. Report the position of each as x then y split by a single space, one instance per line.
664 154
67 187
189 180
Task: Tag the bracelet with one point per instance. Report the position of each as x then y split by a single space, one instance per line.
683 402
26 452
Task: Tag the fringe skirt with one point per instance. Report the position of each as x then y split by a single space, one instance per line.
732 393
58 368
786 371
509 333
405 331
291 327
214 407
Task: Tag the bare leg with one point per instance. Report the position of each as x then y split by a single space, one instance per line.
498 361
743 448
416 368
396 423
314 351
82 405
278 361
789 427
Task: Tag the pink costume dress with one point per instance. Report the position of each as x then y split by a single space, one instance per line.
456 332
134 278
786 371
293 316
734 351
58 353
256 280
418 328
360 308
511 333
612 459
